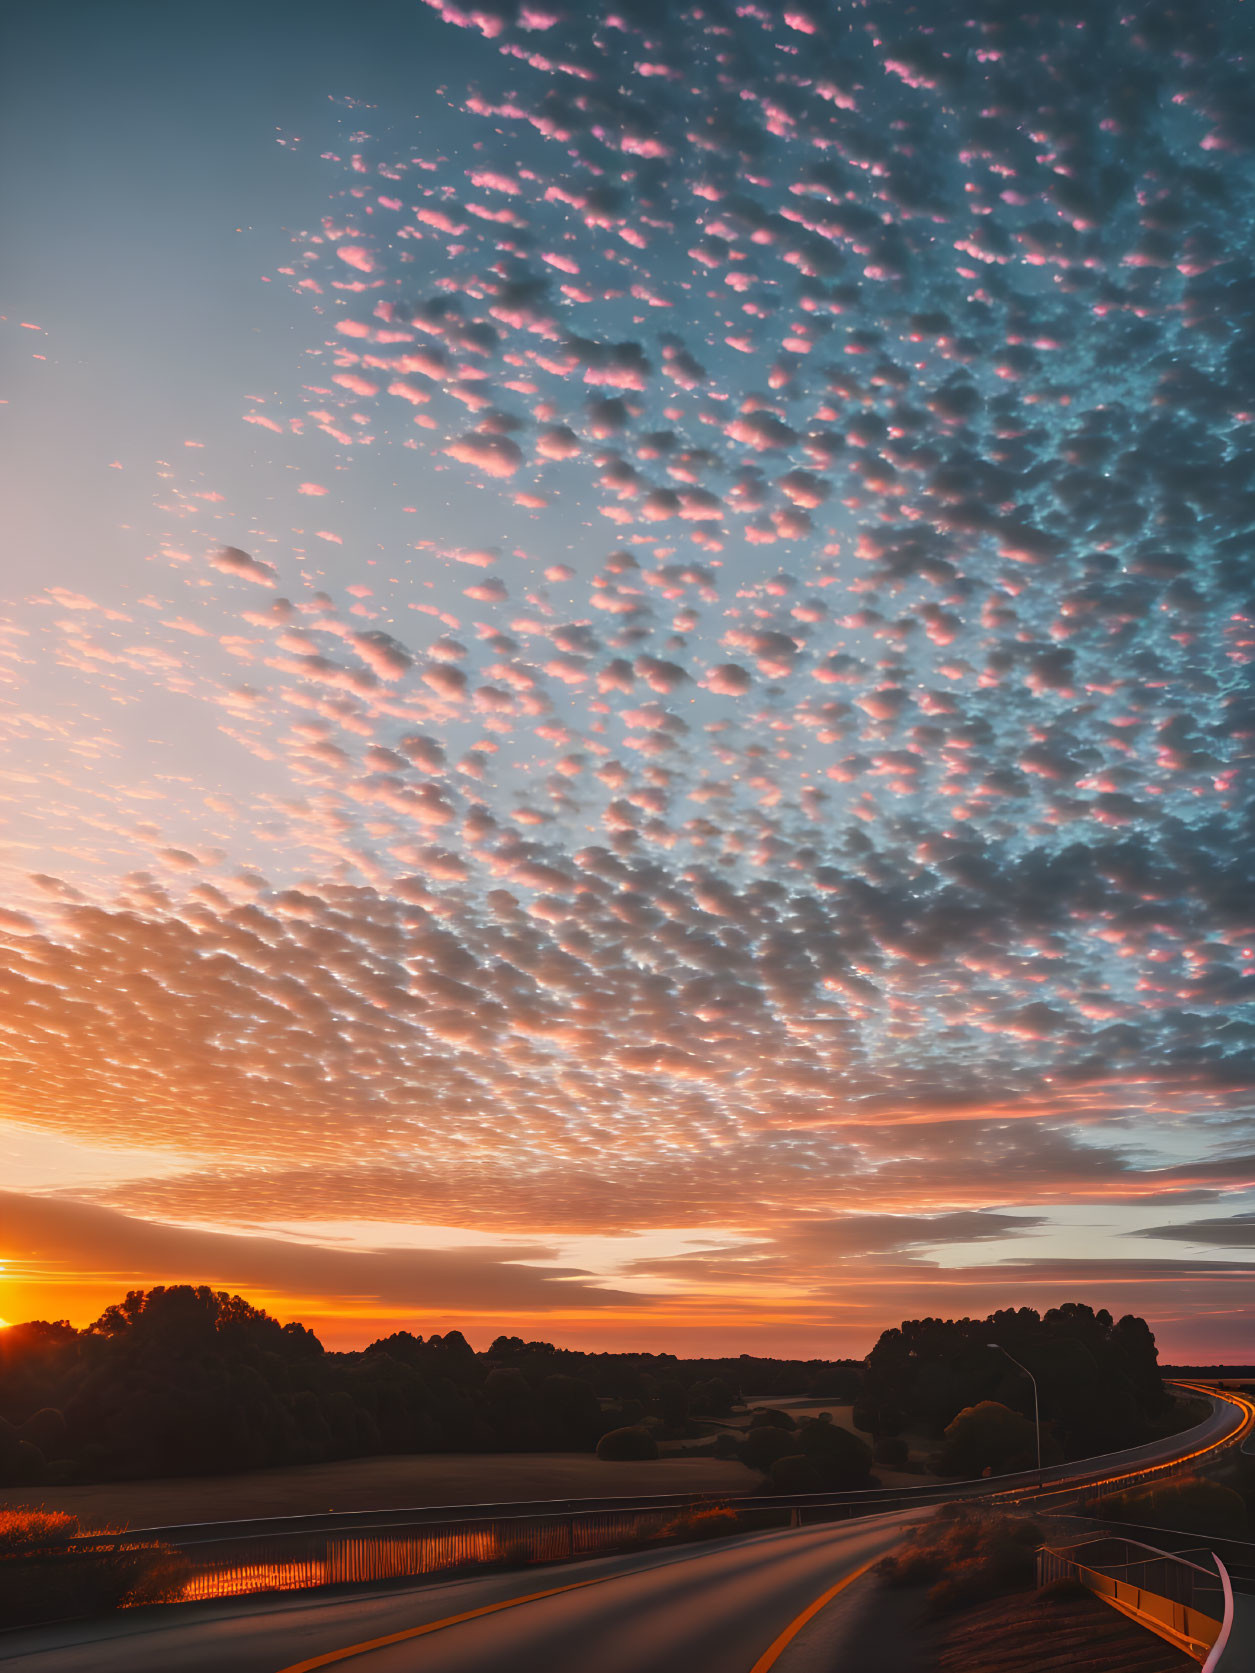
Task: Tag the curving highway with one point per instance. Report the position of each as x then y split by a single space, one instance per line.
779 1602
725 1608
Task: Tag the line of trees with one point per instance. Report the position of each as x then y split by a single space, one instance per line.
1098 1380
184 1381
187 1381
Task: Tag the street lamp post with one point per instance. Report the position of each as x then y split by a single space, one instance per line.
1036 1408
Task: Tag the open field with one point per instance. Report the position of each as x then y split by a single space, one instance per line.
799 1410
401 1481
386 1483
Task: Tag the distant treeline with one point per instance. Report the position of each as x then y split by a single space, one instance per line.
181 1381
1098 1378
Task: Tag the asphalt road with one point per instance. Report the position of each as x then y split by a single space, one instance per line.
713 1609
716 1608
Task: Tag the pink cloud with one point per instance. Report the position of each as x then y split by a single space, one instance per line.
494 455
358 256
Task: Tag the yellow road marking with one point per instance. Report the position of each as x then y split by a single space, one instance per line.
434 1626
760 1666
771 1656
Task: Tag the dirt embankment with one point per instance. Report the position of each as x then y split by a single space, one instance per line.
1028 1632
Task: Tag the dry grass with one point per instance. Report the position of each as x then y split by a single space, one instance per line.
45 1577
23 1533
706 1522
390 1483
965 1557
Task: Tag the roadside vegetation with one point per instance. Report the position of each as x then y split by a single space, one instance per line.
959 1596
964 1556
707 1522
46 1576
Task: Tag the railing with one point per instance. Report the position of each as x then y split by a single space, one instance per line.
288 1553
1237 1555
1182 1602
271 1564
1098 1484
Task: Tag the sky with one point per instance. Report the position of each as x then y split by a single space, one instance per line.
625 666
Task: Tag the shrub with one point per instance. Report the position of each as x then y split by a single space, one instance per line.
893 1452
628 1445
824 1459
703 1522
25 1533
848 1453
988 1436
770 1417
43 1577
761 1447
796 1473
969 1557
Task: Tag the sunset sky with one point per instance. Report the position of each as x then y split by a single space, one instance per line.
625 665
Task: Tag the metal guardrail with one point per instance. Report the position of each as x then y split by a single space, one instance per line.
1182 1602
1090 1489
288 1553
328 1559
1238 1555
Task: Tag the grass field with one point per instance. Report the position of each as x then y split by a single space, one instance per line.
380 1484
799 1409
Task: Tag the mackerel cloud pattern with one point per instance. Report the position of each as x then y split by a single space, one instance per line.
742 679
